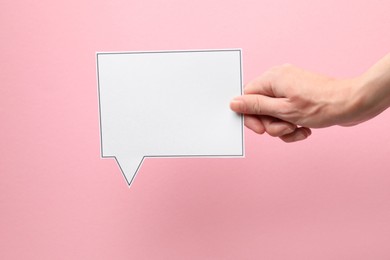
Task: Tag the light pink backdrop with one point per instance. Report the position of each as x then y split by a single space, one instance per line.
325 198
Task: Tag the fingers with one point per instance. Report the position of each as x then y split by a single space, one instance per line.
259 105
254 123
267 108
263 85
273 126
277 128
298 135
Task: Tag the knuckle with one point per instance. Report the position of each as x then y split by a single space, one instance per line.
285 109
248 87
256 107
273 133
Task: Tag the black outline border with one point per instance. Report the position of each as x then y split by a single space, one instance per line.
166 156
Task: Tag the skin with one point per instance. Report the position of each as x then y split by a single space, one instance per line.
287 101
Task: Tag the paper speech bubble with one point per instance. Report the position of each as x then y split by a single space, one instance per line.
168 104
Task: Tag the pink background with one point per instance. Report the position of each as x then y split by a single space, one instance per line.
325 198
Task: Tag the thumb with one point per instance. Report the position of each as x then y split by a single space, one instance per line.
259 105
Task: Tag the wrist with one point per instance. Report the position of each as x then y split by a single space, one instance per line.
367 96
347 101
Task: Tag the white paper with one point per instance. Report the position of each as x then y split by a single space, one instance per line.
168 104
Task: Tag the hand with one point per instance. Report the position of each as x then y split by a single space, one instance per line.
287 101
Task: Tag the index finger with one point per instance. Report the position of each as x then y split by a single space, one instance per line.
261 85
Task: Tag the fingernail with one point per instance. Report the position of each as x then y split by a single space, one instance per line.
308 132
301 135
236 104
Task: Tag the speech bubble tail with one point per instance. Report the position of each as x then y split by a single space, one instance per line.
129 166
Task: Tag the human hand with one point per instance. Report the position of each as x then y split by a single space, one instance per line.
287 101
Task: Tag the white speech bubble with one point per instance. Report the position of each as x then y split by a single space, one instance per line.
168 104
